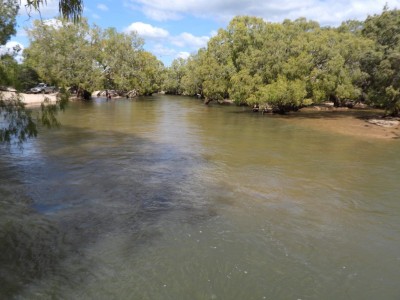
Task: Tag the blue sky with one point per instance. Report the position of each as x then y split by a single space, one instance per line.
177 28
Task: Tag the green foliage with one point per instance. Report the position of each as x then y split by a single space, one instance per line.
149 78
297 62
243 87
283 94
61 54
17 123
15 120
69 9
88 58
192 81
8 13
393 104
116 57
384 64
8 67
26 78
172 83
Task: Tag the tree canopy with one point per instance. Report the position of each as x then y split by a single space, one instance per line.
69 9
293 63
16 122
75 54
282 66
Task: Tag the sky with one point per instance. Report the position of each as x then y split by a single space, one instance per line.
178 28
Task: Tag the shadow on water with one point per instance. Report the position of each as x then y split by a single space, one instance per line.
162 200
52 208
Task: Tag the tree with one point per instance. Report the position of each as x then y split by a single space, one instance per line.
251 57
117 56
173 77
8 13
89 58
149 70
61 53
283 94
69 9
384 67
17 122
192 81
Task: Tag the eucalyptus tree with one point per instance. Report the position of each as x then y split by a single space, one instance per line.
215 82
329 62
8 13
61 53
384 66
219 66
16 121
149 78
192 81
117 57
172 83
73 54
282 94
69 9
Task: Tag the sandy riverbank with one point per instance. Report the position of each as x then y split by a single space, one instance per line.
32 99
360 123
351 122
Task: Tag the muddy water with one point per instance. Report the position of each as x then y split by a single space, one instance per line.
165 198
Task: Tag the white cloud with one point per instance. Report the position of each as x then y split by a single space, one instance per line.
21 32
162 37
102 7
161 50
183 55
189 40
13 48
147 31
56 24
213 33
160 15
327 12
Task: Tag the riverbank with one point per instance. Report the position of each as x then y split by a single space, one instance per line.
32 99
362 123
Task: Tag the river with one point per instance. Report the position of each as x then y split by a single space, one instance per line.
166 198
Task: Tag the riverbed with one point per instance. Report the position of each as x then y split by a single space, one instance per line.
166 198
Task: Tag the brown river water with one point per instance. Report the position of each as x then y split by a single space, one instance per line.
166 198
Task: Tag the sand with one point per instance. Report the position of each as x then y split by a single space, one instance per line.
361 123
32 99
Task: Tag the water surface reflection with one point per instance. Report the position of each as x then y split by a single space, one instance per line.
171 199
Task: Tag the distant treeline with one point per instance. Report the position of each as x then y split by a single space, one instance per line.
296 63
253 62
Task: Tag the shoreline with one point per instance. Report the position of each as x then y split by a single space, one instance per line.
32 99
360 123
357 122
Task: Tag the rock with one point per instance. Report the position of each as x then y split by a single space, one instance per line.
328 104
132 94
384 123
360 105
225 101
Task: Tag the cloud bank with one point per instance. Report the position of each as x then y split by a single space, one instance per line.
326 12
162 37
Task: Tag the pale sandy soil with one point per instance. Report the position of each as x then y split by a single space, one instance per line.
32 99
352 122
